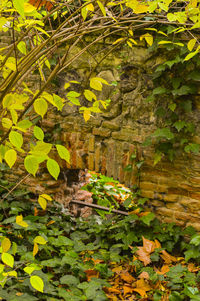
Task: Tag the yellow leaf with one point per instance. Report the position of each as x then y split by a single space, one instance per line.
102 8
90 7
20 222
28 8
35 249
39 240
148 37
10 273
86 115
190 44
42 202
46 196
5 244
117 41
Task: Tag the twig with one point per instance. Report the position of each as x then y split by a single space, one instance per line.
10 191
99 207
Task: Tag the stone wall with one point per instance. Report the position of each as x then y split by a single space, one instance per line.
106 142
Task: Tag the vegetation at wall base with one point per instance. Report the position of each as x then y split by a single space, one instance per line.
60 257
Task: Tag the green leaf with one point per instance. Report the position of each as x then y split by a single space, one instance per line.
8 259
10 157
38 133
69 280
164 133
16 139
19 6
37 283
146 219
63 153
31 164
159 90
195 240
53 168
40 106
179 125
24 124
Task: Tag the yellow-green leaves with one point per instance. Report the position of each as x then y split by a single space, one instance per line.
96 83
63 153
29 270
40 106
38 133
5 244
37 283
7 123
8 259
102 8
148 38
73 97
53 168
20 222
19 6
40 240
42 201
89 95
191 44
31 164
16 139
22 47
10 157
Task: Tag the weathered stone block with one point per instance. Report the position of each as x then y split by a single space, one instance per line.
101 132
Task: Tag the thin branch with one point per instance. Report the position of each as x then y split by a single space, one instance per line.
98 207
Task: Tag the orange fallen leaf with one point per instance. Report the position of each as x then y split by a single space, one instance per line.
113 290
167 257
157 244
143 256
91 274
117 269
127 277
164 270
144 275
127 290
148 245
142 287
192 268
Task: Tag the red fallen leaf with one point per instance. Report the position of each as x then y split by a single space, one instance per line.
127 277
148 245
39 3
144 275
91 274
143 256
167 257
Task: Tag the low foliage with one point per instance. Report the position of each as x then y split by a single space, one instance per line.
59 257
